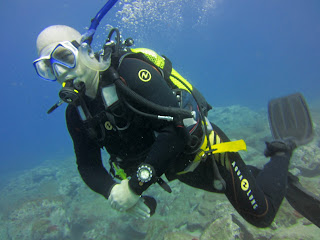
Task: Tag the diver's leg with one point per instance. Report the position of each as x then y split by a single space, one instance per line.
256 198
202 177
244 191
273 177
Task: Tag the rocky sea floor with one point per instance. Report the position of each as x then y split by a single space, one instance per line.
51 201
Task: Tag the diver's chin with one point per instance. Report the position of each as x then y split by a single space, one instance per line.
92 86
91 93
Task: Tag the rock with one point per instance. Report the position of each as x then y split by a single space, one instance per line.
222 228
298 232
157 230
194 226
179 236
307 160
39 219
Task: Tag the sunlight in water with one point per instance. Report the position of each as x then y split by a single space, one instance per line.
156 14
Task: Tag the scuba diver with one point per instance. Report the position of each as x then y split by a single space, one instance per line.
153 123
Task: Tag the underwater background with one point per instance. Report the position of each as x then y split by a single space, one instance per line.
239 53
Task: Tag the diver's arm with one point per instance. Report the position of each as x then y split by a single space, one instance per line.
169 143
88 156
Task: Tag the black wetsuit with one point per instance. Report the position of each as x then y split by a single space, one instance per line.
161 144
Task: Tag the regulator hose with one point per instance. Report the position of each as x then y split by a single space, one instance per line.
177 113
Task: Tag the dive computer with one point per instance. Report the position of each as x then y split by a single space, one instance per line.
144 173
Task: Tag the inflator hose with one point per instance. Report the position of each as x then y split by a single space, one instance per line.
177 113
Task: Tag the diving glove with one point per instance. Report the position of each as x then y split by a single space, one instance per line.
140 210
122 197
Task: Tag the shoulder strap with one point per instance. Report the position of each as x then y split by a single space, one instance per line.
167 69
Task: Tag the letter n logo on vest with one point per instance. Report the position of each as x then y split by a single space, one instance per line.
144 75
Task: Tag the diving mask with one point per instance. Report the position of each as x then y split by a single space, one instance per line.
57 62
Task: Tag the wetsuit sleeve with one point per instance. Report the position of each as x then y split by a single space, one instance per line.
88 156
169 143
170 140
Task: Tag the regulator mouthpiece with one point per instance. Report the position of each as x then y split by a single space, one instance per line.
70 93
96 62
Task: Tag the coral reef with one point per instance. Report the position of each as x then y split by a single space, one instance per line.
51 201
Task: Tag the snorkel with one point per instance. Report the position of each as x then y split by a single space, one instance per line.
101 61
88 36
86 54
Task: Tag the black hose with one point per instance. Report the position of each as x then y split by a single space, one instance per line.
147 115
177 113
117 47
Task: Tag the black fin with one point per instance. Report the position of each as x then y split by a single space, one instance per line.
305 202
289 117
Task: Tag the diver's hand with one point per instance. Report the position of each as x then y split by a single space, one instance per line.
122 197
140 210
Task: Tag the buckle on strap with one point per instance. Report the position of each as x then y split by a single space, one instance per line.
202 154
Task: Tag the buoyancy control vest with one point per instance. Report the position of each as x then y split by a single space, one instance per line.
203 140
188 97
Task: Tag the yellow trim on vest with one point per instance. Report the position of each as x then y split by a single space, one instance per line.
233 146
151 55
159 61
174 75
224 147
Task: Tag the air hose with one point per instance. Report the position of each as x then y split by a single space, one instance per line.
178 114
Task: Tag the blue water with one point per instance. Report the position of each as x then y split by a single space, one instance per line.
236 52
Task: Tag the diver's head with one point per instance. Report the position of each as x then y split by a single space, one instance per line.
55 34
58 49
